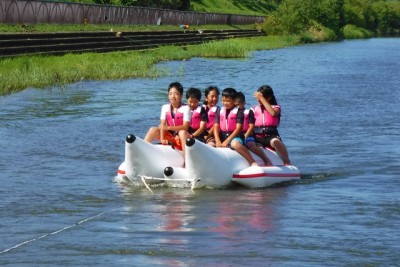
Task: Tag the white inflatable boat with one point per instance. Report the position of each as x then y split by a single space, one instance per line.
203 166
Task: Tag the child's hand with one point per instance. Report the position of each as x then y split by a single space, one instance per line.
258 95
164 142
164 127
225 144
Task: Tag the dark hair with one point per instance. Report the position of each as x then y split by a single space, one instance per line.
229 92
267 92
240 98
177 86
208 90
193 93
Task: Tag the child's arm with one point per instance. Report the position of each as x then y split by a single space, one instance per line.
211 131
249 131
216 134
203 124
216 128
202 128
184 126
162 132
272 111
252 122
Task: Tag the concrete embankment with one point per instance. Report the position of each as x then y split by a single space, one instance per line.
17 44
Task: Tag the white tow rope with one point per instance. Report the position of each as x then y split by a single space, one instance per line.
144 182
56 231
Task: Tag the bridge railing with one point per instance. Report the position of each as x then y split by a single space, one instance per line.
34 12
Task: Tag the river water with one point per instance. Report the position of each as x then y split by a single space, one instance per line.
61 147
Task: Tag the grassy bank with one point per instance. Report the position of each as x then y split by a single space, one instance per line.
44 71
17 28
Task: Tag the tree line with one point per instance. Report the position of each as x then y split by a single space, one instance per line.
297 16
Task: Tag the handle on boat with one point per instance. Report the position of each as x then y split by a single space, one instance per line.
168 171
130 138
190 141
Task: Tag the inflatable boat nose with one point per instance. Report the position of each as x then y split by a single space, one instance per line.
168 171
190 141
130 138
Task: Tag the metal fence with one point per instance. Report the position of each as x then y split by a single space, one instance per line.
32 12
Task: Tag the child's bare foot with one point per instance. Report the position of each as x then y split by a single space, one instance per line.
254 164
268 163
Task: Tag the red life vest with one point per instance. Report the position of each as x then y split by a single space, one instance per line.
263 118
228 124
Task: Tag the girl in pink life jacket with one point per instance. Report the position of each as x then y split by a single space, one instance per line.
248 127
199 117
175 117
211 105
267 117
228 126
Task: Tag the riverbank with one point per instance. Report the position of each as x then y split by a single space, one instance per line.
45 71
49 28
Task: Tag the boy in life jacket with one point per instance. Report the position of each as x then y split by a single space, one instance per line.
248 127
228 126
267 117
174 120
211 96
199 117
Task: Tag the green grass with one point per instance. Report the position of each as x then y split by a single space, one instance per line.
10 28
44 71
243 7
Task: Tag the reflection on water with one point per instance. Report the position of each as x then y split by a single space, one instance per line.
178 221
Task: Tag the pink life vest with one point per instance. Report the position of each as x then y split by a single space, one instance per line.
196 118
174 119
211 116
228 124
264 118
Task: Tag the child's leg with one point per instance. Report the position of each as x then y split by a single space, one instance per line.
259 152
183 135
210 141
281 149
153 133
242 150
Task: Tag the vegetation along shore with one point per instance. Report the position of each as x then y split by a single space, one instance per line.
287 23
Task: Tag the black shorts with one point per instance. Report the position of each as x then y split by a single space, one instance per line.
265 140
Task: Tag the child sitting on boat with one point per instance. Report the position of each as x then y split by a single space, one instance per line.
174 120
211 96
248 127
267 117
199 117
228 126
